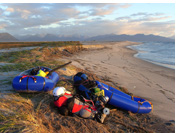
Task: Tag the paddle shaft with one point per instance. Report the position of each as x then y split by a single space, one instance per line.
61 66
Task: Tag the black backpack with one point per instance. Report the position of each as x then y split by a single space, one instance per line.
82 79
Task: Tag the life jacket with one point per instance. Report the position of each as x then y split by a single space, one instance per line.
62 101
71 103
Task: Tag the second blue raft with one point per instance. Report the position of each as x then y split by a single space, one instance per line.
121 100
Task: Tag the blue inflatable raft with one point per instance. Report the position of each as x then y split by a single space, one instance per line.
121 100
27 82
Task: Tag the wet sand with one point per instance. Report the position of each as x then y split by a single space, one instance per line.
143 79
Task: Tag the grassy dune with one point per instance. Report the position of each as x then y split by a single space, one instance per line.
45 56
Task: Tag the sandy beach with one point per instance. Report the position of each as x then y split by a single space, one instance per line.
143 79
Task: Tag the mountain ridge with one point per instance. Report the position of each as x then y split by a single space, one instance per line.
108 37
6 37
136 37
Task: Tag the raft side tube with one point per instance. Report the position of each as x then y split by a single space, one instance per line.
28 84
128 104
35 86
19 86
124 101
54 77
107 87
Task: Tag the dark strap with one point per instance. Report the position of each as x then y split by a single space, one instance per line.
138 107
110 97
27 83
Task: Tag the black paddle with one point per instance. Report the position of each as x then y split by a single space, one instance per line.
61 66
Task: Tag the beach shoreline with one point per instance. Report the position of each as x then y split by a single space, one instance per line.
144 79
148 60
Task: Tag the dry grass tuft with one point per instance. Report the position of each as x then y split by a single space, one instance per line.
17 115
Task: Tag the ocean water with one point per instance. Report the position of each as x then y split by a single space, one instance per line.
160 53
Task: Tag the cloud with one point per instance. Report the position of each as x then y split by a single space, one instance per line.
157 28
107 9
144 17
125 5
101 12
69 11
2 25
101 27
10 9
147 14
82 19
1 11
24 13
93 28
31 15
148 19
160 28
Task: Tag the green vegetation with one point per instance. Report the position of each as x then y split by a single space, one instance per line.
27 44
27 65
45 56
12 56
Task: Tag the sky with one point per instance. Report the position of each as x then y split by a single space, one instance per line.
87 19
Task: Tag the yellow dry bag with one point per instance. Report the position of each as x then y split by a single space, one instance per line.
41 73
98 92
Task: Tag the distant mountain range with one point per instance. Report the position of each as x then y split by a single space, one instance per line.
50 37
134 38
6 37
